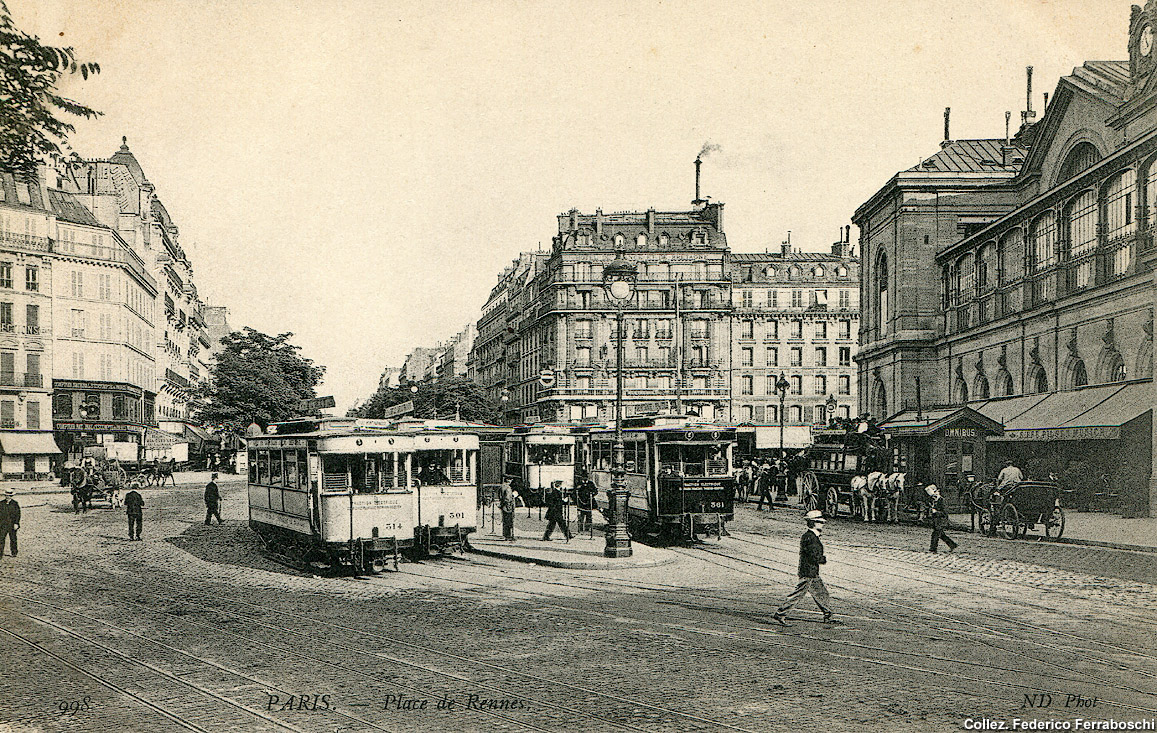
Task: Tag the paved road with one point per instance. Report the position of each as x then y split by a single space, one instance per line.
195 629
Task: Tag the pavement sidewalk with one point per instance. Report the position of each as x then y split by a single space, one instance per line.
183 478
582 552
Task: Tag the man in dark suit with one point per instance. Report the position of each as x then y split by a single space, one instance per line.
9 521
134 508
585 494
939 518
212 501
811 556
555 512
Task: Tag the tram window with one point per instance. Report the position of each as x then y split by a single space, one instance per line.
303 469
550 454
275 477
694 460
253 467
263 467
334 476
371 472
432 467
458 466
291 469
389 474
403 470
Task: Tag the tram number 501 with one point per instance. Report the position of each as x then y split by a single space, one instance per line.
457 515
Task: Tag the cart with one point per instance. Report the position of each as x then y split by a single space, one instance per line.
1015 510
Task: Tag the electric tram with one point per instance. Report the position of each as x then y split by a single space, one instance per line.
540 456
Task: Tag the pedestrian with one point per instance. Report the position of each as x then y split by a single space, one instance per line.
555 516
506 505
9 521
1009 476
134 506
939 518
763 483
743 482
585 494
811 556
212 501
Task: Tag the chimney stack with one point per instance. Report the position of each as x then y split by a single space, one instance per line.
1028 115
947 137
785 248
698 200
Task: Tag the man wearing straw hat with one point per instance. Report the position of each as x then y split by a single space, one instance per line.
811 556
9 520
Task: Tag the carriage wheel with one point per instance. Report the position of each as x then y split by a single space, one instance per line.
984 521
1008 522
122 477
1055 526
811 490
832 502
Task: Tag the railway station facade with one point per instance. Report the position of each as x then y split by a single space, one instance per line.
1016 277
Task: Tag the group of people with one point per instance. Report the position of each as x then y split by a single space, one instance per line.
765 479
583 496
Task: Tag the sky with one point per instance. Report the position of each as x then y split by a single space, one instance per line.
359 172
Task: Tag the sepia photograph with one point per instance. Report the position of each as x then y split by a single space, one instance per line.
393 366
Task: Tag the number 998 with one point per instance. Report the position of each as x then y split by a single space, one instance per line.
72 707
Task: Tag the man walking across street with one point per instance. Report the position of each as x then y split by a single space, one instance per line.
506 506
212 501
9 521
555 516
764 483
939 518
811 556
134 508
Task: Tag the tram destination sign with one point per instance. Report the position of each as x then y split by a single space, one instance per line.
316 403
403 408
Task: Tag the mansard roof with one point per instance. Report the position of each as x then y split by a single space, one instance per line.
973 156
754 257
67 208
124 157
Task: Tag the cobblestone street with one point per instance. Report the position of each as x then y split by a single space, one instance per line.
196 629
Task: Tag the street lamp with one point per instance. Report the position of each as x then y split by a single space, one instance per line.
831 405
781 386
619 282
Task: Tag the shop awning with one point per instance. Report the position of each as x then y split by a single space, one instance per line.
197 436
794 436
16 444
1088 413
159 439
909 423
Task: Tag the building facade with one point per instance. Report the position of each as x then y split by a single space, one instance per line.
1015 277
795 316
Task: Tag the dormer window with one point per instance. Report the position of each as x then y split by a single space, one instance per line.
641 241
664 240
618 240
699 238
818 272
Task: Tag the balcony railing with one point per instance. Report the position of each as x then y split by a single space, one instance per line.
25 241
18 380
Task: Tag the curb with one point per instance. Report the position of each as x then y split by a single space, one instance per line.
1110 545
566 564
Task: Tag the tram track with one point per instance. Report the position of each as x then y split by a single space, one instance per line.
868 564
480 684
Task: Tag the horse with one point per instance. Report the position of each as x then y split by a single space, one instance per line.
875 488
893 490
859 489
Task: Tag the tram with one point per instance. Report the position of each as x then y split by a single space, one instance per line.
679 472
539 456
349 494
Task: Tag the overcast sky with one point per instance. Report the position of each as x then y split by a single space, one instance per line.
358 172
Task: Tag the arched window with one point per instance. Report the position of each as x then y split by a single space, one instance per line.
986 267
882 315
1044 241
1080 158
841 271
62 404
1040 380
1120 196
1081 219
1079 376
879 404
819 271
770 273
960 395
664 240
793 272
619 240
980 387
818 415
1004 386
641 241
1116 369
1010 258
966 277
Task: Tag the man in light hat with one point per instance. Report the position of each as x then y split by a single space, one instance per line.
9 520
811 556
939 518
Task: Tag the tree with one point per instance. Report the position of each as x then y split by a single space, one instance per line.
31 110
447 397
257 378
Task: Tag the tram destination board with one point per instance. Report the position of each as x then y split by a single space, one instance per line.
316 403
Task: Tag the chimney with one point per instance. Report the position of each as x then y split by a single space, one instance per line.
698 199
1045 108
598 223
947 138
848 233
785 248
1028 115
650 221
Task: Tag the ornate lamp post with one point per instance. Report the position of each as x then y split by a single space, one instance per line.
619 281
781 386
831 405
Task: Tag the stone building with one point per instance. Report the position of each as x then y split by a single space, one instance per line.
676 325
1014 277
794 315
26 229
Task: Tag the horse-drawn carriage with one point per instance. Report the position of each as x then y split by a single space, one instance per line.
1011 511
95 479
851 466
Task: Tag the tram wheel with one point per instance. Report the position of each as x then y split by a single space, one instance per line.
1055 526
1008 522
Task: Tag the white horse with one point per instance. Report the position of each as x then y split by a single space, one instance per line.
875 488
859 489
893 491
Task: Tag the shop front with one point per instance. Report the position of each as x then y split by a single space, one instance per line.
1096 441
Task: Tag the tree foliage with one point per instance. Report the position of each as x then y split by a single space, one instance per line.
447 397
32 127
256 378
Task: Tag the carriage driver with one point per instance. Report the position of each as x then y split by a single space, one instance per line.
1009 476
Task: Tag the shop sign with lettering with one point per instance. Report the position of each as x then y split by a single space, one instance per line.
1045 434
961 433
